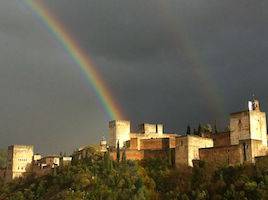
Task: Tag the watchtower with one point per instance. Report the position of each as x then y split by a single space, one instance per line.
249 124
119 131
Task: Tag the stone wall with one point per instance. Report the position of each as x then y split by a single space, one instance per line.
228 155
240 127
133 143
252 149
221 139
158 143
258 127
181 151
151 128
187 149
132 154
248 125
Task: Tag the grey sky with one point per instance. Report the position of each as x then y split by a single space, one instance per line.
177 62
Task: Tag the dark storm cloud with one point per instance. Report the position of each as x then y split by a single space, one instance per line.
175 61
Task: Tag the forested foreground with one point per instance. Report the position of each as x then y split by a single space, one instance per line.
100 178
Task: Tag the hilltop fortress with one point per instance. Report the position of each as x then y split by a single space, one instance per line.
246 140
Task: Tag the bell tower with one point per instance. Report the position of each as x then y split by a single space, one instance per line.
249 124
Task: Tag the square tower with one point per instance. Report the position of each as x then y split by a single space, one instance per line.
151 128
249 124
19 160
119 131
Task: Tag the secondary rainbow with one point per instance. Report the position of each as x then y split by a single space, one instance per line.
79 56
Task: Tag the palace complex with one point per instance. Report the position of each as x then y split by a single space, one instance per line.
245 141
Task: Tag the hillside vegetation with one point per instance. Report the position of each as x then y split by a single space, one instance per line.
101 178
3 157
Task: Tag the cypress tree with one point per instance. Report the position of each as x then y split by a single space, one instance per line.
188 132
124 158
118 152
107 161
199 131
215 129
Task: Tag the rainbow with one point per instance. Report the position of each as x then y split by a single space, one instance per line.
209 89
80 57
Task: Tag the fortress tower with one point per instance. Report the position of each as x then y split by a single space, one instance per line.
249 125
119 131
19 160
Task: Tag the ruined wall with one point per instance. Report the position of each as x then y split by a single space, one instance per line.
119 130
228 155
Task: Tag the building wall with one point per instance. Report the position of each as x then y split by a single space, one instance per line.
158 143
225 155
133 143
119 130
248 125
143 154
252 149
258 129
221 139
240 127
19 161
187 149
151 128
181 151
50 160
194 144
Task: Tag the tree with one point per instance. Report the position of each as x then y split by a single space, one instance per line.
124 158
199 131
118 152
207 128
215 129
188 132
3 158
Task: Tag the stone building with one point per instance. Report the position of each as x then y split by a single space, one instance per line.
246 140
19 160
187 148
147 142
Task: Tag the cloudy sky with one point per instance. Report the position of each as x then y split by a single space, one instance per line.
177 62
